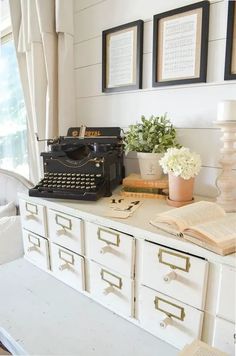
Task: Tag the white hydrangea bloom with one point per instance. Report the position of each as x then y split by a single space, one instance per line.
181 162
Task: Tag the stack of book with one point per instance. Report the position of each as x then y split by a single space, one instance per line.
135 186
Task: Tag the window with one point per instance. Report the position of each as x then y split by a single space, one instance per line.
13 120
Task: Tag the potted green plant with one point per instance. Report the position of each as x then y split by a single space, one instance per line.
182 167
150 139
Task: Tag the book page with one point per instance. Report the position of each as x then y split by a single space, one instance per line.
221 232
190 215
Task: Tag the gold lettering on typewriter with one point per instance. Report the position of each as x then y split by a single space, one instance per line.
93 133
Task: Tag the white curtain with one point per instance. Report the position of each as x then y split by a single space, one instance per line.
43 36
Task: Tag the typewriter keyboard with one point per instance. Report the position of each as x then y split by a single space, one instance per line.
71 181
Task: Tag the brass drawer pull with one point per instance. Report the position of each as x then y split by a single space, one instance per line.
35 241
170 309
164 255
111 279
32 209
64 223
114 235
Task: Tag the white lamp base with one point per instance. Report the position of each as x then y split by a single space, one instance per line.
226 182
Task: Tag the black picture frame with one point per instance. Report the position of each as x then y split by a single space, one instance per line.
137 64
230 74
201 49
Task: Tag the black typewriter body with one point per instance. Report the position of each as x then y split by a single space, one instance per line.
82 166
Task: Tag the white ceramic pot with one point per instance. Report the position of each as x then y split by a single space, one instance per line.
150 168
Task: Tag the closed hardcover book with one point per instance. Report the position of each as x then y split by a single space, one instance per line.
142 195
135 180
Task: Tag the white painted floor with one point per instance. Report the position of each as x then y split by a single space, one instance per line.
46 317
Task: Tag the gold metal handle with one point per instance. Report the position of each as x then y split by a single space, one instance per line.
163 258
161 304
113 280
115 235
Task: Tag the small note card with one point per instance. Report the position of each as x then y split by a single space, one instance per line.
122 208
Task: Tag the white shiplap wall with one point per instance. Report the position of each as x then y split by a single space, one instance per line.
192 108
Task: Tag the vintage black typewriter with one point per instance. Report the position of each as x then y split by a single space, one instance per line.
86 164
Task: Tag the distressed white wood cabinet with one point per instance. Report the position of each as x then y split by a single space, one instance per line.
170 287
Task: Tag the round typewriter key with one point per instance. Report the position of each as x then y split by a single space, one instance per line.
72 186
82 175
87 188
82 186
98 175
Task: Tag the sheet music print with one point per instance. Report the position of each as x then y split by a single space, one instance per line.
179 47
121 59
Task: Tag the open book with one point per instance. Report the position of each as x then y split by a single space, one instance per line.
203 223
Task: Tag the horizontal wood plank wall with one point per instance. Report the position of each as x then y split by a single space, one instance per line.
192 108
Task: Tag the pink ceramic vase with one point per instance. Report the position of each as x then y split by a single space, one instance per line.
180 190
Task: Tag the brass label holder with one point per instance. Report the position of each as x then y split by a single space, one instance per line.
181 315
65 224
31 208
115 234
186 260
113 284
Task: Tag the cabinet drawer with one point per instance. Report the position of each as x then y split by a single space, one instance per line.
65 230
111 289
169 319
224 336
33 217
227 296
111 248
67 266
36 249
174 273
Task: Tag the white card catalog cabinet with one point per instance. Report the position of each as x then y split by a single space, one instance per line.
158 282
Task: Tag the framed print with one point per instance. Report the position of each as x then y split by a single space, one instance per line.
230 55
180 43
122 53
